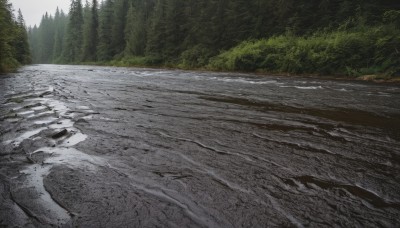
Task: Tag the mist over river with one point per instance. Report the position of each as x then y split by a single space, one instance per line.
85 146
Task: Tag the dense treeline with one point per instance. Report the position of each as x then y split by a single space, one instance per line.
296 36
14 47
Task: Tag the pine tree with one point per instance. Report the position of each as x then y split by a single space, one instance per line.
14 46
156 32
21 45
120 11
91 33
7 59
60 22
135 31
33 35
104 48
46 39
72 51
174 30
86 31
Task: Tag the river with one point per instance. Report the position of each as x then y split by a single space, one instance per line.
85 146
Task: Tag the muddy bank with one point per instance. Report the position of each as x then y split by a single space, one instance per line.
114 147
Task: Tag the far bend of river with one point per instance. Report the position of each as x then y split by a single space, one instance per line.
84 146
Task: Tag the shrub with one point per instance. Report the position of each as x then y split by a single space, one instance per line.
196 57
373 50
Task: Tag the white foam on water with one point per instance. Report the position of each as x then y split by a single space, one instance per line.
25 113
83 107
13 120
303 87
309 87
39 108
248 81
89 117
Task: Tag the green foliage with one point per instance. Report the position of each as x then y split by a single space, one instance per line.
393 17
90 32
104 48
343 37
196 57
352 53
138 61
14 47
120 11
72 51
137 28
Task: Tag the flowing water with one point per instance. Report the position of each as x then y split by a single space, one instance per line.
116 147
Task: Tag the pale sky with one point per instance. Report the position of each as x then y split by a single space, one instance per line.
33 10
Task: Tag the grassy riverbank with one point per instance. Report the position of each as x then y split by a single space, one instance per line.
367 53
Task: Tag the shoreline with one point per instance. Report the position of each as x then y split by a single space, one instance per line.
379 79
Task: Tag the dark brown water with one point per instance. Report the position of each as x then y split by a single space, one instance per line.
114 147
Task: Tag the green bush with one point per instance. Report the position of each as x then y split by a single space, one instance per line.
8 65
137 61
196 57
373 50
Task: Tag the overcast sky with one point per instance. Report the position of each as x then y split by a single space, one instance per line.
33 10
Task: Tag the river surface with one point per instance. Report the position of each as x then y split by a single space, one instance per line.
84 146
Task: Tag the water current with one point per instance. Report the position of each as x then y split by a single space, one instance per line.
129 147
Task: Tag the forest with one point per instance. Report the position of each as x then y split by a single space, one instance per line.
14 47
325 37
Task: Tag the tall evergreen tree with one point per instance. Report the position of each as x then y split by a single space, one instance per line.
118 26
136 29
104 48
14 47
6 32
46 39
91 33
156 32
73 47
60 23
21 44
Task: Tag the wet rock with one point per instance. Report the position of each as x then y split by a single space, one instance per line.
38 157
45 94
33 105
60 134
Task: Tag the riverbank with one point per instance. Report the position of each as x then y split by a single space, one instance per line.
362 53
369 78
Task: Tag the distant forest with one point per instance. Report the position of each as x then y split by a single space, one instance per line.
14 47
343 37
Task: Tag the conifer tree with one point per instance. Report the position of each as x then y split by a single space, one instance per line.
104 48
135 31
91 33
7 59
20 44
14 46
60 22
120 11
73 47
